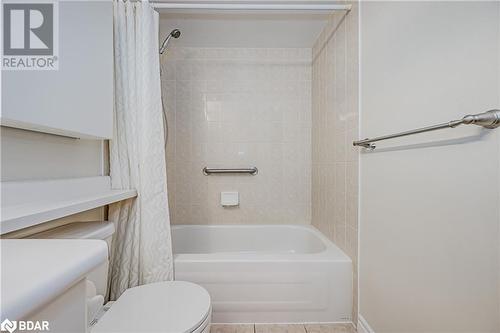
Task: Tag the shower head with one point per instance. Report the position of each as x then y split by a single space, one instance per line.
174 33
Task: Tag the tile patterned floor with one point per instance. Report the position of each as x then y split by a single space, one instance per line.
282 328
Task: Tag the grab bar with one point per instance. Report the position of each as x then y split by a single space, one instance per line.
209 171
489 119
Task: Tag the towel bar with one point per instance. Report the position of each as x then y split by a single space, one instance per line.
209 171
489 119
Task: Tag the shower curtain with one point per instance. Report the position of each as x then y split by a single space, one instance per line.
141 250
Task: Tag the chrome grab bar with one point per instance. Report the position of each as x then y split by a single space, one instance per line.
489 119
209 171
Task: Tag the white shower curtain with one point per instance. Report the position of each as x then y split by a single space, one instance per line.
141 250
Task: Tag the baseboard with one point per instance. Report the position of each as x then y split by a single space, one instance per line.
363 326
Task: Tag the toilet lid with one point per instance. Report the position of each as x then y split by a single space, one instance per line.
172 307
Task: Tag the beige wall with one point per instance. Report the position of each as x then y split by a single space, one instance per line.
237 107
429 213
334 127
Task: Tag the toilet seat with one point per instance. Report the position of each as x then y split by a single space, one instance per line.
163 307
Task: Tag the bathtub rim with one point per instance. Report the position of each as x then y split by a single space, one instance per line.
331 253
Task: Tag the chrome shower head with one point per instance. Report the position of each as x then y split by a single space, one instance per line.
174 33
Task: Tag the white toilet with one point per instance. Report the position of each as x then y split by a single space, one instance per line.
163 307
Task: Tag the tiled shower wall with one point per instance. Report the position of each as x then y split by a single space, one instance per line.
238 107
334 127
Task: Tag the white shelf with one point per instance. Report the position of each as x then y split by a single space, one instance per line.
25 204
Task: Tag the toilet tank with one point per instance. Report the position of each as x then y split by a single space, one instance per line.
103 230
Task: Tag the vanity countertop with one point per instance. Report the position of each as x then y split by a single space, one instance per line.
35 271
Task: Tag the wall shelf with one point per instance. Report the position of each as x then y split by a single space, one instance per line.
28 203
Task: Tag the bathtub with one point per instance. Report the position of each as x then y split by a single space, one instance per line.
265 273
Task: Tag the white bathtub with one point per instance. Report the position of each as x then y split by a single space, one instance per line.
266 273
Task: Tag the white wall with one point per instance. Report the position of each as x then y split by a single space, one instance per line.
429 223
32 155
243 29
77 99
26 155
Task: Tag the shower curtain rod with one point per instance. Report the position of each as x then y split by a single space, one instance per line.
248 6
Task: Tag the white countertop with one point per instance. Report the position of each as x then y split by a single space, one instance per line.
35 271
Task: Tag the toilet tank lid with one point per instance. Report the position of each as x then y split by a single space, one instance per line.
79 230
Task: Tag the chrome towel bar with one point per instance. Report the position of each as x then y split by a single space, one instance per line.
489 119
210 171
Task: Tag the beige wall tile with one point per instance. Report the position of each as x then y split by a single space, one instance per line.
237 108
334 189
